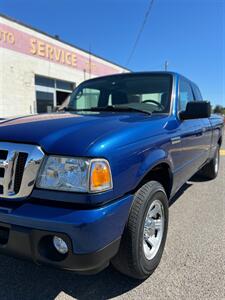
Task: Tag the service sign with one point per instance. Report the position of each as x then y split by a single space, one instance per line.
25 43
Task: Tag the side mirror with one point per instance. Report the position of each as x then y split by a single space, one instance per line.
196 110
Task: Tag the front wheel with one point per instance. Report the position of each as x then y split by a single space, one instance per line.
145 234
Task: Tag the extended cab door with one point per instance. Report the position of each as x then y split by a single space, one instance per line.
206 127
191 136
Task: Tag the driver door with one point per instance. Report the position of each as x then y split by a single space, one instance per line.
191 135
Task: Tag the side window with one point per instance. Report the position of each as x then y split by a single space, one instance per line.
197 93
185 94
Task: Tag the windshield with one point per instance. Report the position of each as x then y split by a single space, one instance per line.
147 93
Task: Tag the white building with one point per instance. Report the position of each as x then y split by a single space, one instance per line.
38 71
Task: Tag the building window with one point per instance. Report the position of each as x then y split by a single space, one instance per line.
45 102
51 92
44 81
64 85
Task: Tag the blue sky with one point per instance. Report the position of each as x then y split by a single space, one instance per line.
190 34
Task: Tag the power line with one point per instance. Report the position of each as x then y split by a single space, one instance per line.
140 31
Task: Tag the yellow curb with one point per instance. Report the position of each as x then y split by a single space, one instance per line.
222 152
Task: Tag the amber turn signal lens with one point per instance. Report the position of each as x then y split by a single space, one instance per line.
100 178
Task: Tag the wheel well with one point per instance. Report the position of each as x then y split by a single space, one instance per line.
161 173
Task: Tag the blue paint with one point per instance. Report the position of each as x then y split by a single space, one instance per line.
89 230
132 142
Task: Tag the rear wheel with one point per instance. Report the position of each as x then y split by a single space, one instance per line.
145 234
210 171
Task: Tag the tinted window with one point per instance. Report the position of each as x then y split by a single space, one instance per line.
64 85
44 102
197 92
185 95
144 92
50 82
44 81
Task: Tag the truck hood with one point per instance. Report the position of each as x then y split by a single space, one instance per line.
69 133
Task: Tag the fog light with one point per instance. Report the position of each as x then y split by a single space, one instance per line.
60 245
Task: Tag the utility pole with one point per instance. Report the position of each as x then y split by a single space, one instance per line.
166 65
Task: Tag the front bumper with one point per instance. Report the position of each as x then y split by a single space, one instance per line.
36 245
93 235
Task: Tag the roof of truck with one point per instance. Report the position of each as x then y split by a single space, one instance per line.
130 74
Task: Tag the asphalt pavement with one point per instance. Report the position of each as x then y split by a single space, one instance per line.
192 267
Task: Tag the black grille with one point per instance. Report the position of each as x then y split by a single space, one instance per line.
22 158
3 156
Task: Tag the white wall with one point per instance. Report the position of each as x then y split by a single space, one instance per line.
17 88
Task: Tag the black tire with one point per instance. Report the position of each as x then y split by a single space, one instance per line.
131 259
210 171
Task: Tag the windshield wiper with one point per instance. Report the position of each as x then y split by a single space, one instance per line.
111 108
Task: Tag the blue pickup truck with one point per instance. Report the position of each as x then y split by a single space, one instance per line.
91 183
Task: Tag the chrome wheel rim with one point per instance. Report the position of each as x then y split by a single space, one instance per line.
153 229
217 162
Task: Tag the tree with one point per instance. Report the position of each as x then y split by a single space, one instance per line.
219 109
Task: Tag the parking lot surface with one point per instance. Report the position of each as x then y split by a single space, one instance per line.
192 267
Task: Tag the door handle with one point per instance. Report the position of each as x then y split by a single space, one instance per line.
176 140
201 131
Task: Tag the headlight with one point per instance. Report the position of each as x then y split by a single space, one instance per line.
75 174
